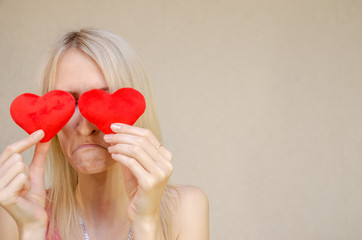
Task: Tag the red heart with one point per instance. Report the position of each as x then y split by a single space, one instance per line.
49 112
126 105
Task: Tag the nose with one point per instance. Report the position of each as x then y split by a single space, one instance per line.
84 127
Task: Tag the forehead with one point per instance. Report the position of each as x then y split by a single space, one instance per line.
77 72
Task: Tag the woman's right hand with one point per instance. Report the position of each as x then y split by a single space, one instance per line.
22 188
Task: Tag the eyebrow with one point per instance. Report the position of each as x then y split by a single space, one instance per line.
76 93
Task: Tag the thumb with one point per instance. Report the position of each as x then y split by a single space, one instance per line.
37 165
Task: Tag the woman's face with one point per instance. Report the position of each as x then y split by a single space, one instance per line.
81 141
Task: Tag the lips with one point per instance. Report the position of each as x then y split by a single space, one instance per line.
89 146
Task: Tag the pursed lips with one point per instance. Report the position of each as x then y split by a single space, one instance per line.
89 145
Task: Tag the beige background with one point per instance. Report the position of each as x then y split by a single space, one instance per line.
259 101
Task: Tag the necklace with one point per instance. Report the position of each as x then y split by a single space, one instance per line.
86 236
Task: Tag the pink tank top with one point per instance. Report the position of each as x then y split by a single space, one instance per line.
56 234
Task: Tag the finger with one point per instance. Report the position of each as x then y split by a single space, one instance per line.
140 141
40 155
161 168
11 192
138 171
162 157
146 180
165 153
15 159
22 145
18 166
37 165
135 152
127 129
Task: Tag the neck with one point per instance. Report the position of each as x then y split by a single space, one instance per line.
102 199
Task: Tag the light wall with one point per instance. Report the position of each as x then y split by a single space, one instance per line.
259 101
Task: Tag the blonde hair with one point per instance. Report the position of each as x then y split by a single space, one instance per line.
121 68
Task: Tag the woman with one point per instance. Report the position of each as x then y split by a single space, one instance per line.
111 186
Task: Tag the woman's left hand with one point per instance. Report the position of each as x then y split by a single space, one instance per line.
148 169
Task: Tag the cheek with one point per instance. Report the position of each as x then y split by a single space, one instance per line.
65 135
68 129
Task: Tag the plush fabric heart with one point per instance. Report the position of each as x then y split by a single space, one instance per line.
125 105
49 112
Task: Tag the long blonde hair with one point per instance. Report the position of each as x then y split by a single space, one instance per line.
121 68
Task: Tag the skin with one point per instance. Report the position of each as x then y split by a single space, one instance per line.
108 206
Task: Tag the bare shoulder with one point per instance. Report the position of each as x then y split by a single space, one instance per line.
192 196
192 213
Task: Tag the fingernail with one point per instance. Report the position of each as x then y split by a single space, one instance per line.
107 137
116 127
38 134
110 149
